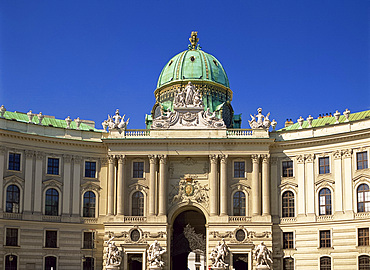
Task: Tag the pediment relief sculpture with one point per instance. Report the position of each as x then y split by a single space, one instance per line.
189 189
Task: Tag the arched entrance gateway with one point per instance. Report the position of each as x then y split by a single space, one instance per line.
188 241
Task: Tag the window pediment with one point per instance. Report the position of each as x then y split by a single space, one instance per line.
52 183
13 179
361 177
90 186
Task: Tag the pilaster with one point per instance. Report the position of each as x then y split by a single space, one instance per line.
337 170
162 186
213 185
301 185
38 182
265 185
256 186
152 184
2 169
110 202
121 184
27 205
66 184
223 185
76 185
348 189
310 183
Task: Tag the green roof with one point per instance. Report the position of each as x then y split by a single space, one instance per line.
194 65
47 121
328 121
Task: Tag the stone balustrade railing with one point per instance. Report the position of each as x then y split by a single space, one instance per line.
137 133
239 133
324 218
90 220
134 219
238 219
362 215
12 216
51 218
288 220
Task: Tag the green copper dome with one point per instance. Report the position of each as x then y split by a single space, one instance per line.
193 64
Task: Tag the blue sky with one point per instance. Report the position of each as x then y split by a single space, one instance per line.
87 58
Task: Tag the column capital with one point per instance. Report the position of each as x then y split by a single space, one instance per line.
152 159
121 159
104 161
300 159
255 158
265 158
347 153
213 159
223 158
77 159
162 159
111 158
2 149
29 153
67 158
338 154
273 160
40 155
309 158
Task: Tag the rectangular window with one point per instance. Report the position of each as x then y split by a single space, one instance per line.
88 240
363 236
51 239
362 160
288 242
138 169
325 241
324 165
287 168
53 166
14 163
239 169
11 237
90 169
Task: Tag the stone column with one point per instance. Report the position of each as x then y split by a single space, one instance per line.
310 183
28 181
337 170
2 169
110 200
76 202
153 164
301 186
265 185
162 186
256 187
223 185
348 196
213 185
121 185
66 184
38 182
275 183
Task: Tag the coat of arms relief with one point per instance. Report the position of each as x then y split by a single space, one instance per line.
189 189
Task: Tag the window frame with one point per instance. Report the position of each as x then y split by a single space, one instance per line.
47 165
287 242
133 169
93 238
20 161
59 201
132 205
286 259
56 240
365 162
363 202
240 172
245 203
361 238
289 207
326 166
289 169
6 236
86 169
319 195
50 255
16 259
365 256
95 203
320 261
85 261
325 239
19 198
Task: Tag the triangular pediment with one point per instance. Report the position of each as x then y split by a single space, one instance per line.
288 183
361 176
52 183
13 179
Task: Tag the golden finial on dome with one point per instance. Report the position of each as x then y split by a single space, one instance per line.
194 39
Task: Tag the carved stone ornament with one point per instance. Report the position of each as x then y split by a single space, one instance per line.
259 120
197 241
137 236
188 112
218 255
155 252
300 159
338 154
309 158
263 256
189 190
112 255
116 122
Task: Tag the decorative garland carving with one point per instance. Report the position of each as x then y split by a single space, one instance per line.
189 189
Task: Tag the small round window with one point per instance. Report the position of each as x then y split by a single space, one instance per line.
240 235
135 235
215 62
192 58
170 63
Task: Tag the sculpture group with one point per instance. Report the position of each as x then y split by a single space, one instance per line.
155 252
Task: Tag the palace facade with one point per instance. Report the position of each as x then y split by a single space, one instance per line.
190 179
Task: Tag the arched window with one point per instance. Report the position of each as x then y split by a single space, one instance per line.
239 203
51 202
325 263
88 263
138 204
89 204
11 262
325 202
288 263
364 262
363 198
12 199
288 204
50 263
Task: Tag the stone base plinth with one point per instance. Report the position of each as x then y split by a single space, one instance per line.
109 267
155 268
263 267
219 268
